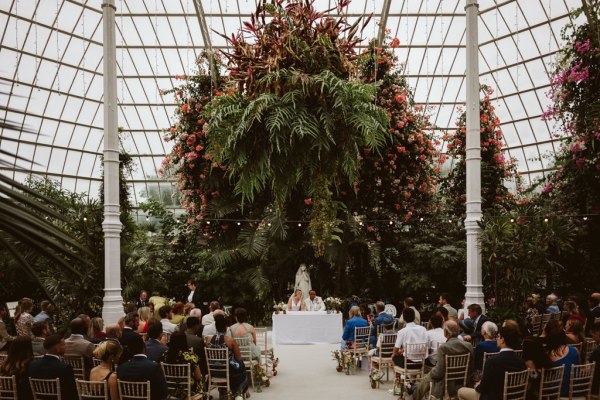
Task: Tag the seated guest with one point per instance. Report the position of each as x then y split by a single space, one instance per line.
409 303
529 309
46 315
40 333
88 323
295 302
559 352
435 338
443 301
145 318
410 334
196 313
154 347
387 328
489 330
574 331
209 318
243 329
23 318
140 369
78 346
211 329
108 352
355 320
491 386
5 338
113 332
129 332
166 314
177 315
551 306
179 353
96 329
17 361
594 302
50 366
475 315
572 312
157 301
195 342
452 347
595 357
314 302
382 318
443 313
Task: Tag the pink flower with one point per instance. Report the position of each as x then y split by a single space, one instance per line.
308 202
582 47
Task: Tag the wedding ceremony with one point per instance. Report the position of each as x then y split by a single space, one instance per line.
329 199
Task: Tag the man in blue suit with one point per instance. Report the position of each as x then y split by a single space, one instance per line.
51 367
491 386
140 369
154 348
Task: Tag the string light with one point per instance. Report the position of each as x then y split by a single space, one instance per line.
239 223
207 222
391 222
585 218
84 219
512 220
545 219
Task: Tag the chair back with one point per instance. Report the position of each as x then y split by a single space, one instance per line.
8 387
178 378
92 390
550 382
577 346
536 324
515 385
217 361
78 365
589 346
519 353
555 316
134 390
261 337
487 355
596 320
386 348
45 389
361 340
245 345
167 336
545 319
457 369
425 324
580 383
96 362
415 355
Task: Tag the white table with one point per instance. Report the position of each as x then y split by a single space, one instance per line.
307 327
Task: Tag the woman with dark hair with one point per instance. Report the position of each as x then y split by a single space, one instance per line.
243 329
5 338
20 355
23 317
179 353
560 353
238 378
108 352
574 331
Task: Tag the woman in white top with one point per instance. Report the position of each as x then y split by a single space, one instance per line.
295 303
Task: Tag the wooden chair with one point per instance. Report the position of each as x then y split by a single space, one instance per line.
589 346
360 345
550 382
134 390
485 358
262 339
519 353
596 320
78 365
383 359
414 363
96 362
178 377
577 346
45 389
218 368
515 385
8 387
536 325
457 370
245 345
166 336
545 319
425 324
92 390
555 316
580 382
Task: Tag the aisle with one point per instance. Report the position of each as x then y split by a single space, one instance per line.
307 372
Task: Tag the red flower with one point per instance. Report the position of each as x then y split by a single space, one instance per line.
308 202
184 108
395 43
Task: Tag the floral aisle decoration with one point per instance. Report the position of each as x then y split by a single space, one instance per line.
260 377
496 169
338 356
375 378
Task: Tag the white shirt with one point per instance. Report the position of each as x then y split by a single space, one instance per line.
435 337
191 296
411 334
314 305
209 330
208 319
168 326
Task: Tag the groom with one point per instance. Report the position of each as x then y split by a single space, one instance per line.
314 302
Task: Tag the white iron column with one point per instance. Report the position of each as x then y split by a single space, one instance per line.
113 302
473 160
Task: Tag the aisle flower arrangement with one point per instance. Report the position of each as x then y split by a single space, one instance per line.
375 378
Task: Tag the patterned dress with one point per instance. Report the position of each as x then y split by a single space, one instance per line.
23 325
187 357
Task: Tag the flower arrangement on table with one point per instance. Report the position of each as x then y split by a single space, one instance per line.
260 377
375 377
281 306
333 304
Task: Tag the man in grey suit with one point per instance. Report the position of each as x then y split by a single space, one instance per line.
453 347
78 346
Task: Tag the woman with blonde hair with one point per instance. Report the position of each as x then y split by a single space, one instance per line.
296 303
108 352
146 317
96 330
23 317
355 320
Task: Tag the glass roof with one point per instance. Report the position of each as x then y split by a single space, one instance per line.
51 54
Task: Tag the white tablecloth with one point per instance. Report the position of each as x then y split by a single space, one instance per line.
307 327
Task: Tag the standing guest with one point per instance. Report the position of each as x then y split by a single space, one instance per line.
166 314
194 296
475 315
355 320
443 301
132 321
295 302
142 301
381 319
5 338
179 353
50 366
23 317
409 303
46 315
595 356
77 345
551 306
157 301
314 302
435 338
109 353
145 317
489 330
141 369
209 318
154 348
178 315
491 386
96 331
410 334
574 331
17 361
40 333
559 352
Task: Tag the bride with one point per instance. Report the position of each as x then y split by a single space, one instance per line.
295 302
